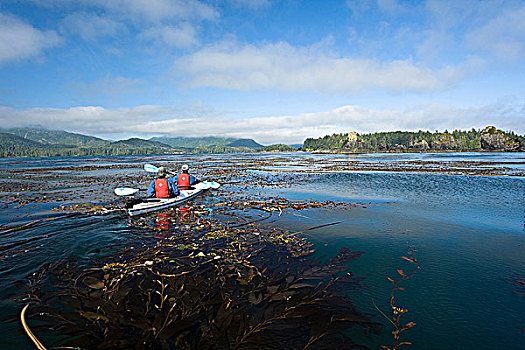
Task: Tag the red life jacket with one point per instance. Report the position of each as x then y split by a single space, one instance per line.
161 188
183 181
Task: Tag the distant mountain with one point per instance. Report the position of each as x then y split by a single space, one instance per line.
36 142
16 146
10 140
192 142
245 143
139 143
57 137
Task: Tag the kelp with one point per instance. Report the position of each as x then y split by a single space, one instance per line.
396 311
89 183
209 276
203 285
518 283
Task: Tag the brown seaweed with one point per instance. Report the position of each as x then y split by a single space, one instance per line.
203 285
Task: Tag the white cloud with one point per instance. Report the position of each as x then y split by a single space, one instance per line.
395 7
146 121
253 4
90 26
282 66
358 7
182 36
169 22
158 10
19 40
142 10
503 36
84 119
448 14
392 8
434 44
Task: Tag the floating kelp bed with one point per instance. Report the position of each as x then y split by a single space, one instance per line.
204 285
227 276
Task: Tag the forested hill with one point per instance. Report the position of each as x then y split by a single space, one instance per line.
245 143
57 137
207 142
17 143
192 142
15 146
24 142
489 138
138 143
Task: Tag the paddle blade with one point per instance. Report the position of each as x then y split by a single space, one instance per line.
214 184
150 168
125 191
210 184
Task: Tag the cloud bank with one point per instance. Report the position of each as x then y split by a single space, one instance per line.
149 121
19 40
285 67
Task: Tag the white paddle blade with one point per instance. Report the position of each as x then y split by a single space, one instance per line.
125 191
214 184
150 168
211 184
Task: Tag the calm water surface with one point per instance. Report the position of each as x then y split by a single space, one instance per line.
469 232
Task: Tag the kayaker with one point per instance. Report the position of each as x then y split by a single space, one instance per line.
184 179
163 187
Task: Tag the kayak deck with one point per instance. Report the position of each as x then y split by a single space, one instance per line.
149 205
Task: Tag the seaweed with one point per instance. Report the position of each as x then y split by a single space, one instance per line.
203 285
396 311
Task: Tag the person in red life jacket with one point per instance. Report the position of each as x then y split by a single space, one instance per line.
163 187
185 180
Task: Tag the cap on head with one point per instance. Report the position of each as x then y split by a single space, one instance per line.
161 172
185 167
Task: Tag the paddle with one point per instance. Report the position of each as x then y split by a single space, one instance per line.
150 168
125 191
212 184
128 191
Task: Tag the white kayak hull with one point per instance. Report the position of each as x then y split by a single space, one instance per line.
150 205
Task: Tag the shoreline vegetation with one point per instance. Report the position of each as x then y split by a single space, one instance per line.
34 142
488 139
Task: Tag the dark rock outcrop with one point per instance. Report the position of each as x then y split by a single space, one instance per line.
351 140
445 142
493 139
512 145
420 145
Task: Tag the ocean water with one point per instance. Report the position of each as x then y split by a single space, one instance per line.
469 232
470 238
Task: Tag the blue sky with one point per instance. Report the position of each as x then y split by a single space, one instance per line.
272 70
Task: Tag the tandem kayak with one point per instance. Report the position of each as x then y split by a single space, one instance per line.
148 205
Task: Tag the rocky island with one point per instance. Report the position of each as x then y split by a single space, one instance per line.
488 139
